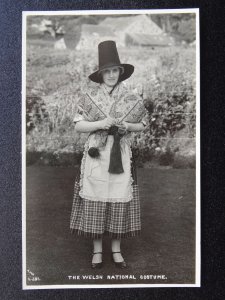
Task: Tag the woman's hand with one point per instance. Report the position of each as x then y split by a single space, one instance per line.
123 128
107 123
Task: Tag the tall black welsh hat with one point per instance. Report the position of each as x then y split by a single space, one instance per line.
108 57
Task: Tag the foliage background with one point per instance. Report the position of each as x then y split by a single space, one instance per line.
164 76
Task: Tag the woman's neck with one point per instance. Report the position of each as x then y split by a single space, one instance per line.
109 89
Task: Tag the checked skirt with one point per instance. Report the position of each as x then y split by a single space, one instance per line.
96 218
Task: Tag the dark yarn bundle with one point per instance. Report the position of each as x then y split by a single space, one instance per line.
94 152
115 165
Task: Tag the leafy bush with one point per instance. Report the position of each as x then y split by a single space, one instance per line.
35 112
170 89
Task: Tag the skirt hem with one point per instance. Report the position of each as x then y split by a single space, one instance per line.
105 233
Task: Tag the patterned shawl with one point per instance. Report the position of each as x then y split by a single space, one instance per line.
123 105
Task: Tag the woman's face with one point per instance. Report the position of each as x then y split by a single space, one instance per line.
110 76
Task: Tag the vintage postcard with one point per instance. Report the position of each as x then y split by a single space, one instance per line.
111 149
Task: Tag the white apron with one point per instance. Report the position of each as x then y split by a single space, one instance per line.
97 183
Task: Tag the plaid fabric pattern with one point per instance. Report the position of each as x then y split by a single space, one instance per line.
95 218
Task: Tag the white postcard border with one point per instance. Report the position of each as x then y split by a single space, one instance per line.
198 191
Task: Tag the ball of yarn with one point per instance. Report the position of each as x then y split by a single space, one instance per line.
94 152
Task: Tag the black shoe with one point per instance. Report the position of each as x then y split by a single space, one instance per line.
121 265
96 265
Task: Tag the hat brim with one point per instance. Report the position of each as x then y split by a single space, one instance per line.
128 71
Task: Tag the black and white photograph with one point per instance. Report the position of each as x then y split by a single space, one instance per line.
111 149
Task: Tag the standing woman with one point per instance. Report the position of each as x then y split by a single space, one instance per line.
106 199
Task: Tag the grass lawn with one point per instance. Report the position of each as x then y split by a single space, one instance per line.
165 247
